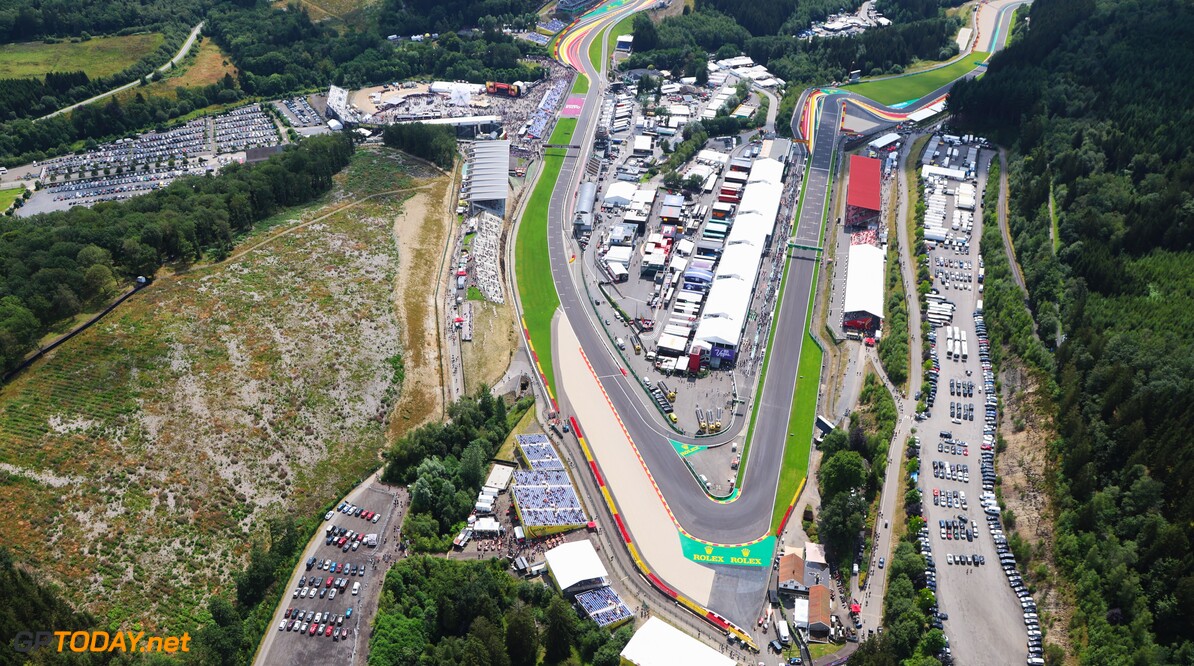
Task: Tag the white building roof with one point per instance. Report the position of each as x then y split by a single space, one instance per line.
499 476
885 141
644 196
658 643
864 280
814 553
642 143
574 562
725 311
489 171
619 254
620 193
953 174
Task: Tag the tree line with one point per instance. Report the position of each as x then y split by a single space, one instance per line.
36 97
1097 127
441 611
851 471
26 20
445 464
55 265
434 143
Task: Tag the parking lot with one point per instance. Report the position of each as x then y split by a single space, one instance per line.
137 165
982 605
332 595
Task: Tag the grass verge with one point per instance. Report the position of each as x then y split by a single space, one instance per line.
8 196
794 466
914 86
532 267
563 132
98 57
581 85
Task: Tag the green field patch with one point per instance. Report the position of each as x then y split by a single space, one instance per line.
532 267
914 86
562 134
98 57
581 85
8 196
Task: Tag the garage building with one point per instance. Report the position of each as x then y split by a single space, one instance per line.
863 307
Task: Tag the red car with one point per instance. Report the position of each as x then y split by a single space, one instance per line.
288 612
936 492
314 628
328 582
328 631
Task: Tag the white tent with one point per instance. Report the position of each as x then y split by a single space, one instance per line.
864 280
658 643
620 193
574 562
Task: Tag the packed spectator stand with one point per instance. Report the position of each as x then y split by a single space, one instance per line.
603 606
544 495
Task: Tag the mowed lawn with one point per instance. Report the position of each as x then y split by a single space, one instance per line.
102 56
915 86
532 267
8 196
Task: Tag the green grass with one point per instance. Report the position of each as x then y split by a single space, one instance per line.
8 196
474 294
818 650
581 85
794 467
102 56
623 27
532 267
563 132
915 86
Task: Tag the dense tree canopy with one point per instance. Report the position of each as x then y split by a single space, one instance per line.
440 611
1088 99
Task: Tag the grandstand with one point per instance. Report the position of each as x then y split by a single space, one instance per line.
544 496
603 606
864 197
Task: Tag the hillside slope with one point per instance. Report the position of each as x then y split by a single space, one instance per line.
1095 104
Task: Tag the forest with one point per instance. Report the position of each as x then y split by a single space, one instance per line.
440 611
851 471
434 143
25 20
55 265
683 42
445 464
1093 101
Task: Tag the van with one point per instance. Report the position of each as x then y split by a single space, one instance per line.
356 588
621 343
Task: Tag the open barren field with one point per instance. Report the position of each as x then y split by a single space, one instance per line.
207 65
144 454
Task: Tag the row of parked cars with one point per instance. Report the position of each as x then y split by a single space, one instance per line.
1036 654
951 472
315 623
355 512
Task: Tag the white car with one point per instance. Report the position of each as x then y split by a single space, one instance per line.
282 625
949 559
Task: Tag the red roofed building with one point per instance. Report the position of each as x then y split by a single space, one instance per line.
819 621
864 197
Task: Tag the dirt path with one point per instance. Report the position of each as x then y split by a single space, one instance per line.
421 231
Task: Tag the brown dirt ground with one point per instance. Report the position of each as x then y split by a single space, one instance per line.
494 342
1024 470
421 232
